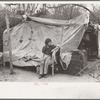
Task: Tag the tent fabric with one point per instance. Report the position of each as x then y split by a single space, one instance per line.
62 22
28 38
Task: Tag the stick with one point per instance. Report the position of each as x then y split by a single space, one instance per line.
10 48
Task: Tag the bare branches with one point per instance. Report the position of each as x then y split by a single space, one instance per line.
10 4
60 10
89 11
72 8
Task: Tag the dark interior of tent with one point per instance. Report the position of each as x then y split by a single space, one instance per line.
89 43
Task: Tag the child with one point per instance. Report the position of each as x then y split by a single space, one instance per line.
47 58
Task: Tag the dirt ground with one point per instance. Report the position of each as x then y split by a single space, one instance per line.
30 75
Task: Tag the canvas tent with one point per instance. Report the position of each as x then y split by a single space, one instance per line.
27 38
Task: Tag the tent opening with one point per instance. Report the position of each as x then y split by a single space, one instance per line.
89 43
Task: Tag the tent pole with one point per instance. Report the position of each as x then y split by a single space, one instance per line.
3 56
3 52
10 48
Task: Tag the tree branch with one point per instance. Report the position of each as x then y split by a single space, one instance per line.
78 6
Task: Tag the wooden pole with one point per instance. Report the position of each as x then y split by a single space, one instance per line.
10 48
3 53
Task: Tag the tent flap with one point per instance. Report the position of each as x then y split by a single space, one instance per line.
27 38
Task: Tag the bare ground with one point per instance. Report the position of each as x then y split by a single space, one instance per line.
30 75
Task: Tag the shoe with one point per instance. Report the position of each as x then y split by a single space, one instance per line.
40 76
45 76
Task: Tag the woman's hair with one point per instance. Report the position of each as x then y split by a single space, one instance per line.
47 41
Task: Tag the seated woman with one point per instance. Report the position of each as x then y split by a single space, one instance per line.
47 58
